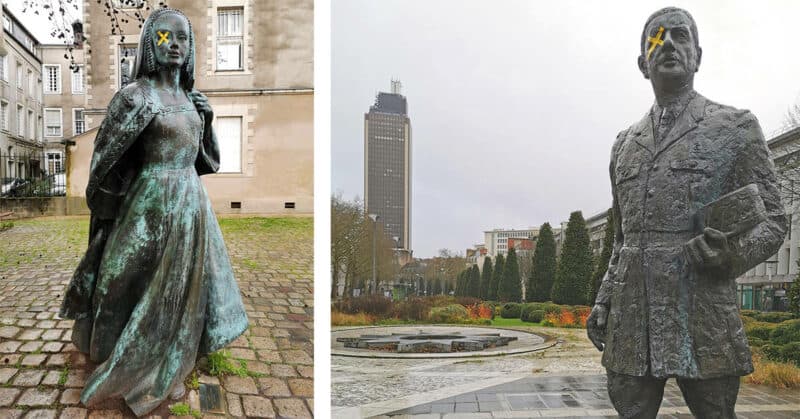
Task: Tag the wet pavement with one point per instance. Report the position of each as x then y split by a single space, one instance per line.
42 373
565 380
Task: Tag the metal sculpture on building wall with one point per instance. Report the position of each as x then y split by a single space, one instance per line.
696 204
155 287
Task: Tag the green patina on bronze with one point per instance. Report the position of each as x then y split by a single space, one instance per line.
155 288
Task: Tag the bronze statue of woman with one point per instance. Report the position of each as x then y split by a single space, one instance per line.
155 289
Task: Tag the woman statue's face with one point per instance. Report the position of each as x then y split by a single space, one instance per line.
171 38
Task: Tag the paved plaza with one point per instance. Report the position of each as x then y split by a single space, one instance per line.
42 374
565 380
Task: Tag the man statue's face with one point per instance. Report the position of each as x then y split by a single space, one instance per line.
669 50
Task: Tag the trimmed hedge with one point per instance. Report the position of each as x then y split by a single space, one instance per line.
511 311
761 330
533 316
774 316
786 332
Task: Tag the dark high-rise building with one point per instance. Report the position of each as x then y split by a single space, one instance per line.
387 164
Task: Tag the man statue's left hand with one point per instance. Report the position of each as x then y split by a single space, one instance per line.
709 250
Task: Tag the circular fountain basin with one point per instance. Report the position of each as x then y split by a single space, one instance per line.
423 341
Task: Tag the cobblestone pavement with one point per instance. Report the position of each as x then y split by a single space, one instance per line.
566 380
41 373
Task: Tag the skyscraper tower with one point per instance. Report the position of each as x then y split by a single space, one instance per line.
387 165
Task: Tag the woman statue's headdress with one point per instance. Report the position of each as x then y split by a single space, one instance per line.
146 63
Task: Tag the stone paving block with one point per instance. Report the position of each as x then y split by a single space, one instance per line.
11 413
291 408
29 378
37 397
74 413
282 370
31 334
240 385
76 378
33 360
242 353
106 414
273 387
234 405
6 374
51 379
301 387
8 332
52 347
259 367
52 334
257 407
7 396
9 346
297 357
46 325
10 359
41 414
31 346
57 360
269 356
71 396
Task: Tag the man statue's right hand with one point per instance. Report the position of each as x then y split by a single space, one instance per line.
596 326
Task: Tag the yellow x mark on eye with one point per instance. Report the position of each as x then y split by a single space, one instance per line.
163 37
655 41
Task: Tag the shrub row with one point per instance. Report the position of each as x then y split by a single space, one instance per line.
777 341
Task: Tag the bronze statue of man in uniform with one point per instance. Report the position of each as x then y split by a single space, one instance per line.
696 204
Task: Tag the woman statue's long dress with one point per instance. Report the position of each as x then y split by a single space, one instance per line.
155 288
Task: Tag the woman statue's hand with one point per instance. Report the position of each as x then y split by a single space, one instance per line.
201 103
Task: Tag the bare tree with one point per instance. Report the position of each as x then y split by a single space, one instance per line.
120 13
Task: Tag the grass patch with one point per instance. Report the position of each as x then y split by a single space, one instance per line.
775 374
221 363
499 321
62 377
250 264
266 224
193 382
183 409
6 225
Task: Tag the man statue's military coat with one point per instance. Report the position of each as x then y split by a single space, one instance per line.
667 318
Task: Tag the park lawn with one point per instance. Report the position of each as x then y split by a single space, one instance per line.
499 321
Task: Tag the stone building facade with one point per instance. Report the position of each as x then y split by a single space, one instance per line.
254 61
21 140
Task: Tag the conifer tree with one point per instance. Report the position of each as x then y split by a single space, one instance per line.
510 287
543 272
474 284
486 278
497 273
574 272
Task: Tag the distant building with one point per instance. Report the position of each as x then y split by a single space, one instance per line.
21 141
387 165
596 224
497 240
254 60
64 94
764 287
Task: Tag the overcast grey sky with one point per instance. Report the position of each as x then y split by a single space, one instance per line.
514 105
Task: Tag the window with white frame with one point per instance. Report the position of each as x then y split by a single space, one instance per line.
7 24
52 78
54 163
20 121
229 38
77 80
31 127
19 75
31 83
4 115
52 122
229 135
39 128
4 68
79 123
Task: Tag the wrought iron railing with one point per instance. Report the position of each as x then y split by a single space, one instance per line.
32 175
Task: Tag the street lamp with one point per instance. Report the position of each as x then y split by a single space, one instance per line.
374 285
